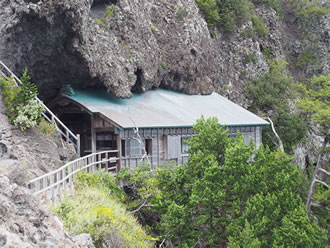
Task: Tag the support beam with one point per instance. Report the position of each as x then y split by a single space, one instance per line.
93 135
119 151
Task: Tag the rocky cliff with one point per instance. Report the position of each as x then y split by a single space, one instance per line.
137 45
24 220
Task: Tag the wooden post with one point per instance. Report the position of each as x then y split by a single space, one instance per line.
78 144
64 180
93 135
158 153
119 152
52 177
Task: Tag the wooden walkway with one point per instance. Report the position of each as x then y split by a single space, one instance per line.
54 185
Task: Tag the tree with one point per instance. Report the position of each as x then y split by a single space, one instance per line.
228 193
270 96
315 102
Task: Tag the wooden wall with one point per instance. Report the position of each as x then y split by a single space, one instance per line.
167 142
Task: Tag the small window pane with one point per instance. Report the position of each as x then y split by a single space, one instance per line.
184 147
135 147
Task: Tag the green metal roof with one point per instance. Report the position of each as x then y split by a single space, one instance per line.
164 108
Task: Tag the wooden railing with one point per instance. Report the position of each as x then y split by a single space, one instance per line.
66 133
55 184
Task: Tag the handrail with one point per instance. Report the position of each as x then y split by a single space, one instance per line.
62 178
53 118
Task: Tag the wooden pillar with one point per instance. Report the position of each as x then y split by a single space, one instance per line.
158 153
119 152
93 135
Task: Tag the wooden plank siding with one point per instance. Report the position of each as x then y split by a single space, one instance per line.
167 143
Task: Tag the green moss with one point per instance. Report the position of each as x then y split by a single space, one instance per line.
163 65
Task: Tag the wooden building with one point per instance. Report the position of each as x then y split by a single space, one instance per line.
163 118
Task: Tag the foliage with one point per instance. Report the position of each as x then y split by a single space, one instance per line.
308 13
163 64
233 13
9 94
96 208
315 101
110 11
222 195
28 115
181 13
22 109
270 95
28 90
250 57
209 11
306 57
275 4
259 26
46 128
306 10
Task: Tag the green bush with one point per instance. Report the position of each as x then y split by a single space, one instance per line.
110 11
305 58
163 64
209 11
221 197
9 94
95 209
259 26
28 115
313 11
233 13
22 109
46 128
270 95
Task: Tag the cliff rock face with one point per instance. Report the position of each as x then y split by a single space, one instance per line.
139 45
25 223
136 45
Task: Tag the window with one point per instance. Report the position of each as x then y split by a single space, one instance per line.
184 147
104 141
148 146
135 147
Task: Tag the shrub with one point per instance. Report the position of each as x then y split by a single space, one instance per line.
110 11
28 115
270 95
163 65
22 109
259 26
221 197
306 57
233 13
9 94
209 11
46 128
94 208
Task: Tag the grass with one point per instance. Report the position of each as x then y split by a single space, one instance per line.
46 128
97 208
